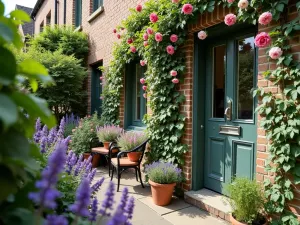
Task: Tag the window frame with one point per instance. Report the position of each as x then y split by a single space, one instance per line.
97 4
78 13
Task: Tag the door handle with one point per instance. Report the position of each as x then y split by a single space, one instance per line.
228 111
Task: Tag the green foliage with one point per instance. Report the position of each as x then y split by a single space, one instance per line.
131 139
246 199
67 94
18 113
83 133
165 125
64 39
109 133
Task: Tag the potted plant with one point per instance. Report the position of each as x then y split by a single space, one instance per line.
130 140
82 135
247 201
163 177
108 134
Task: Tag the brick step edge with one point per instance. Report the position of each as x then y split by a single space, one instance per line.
208 208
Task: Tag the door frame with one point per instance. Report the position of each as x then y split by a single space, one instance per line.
199 90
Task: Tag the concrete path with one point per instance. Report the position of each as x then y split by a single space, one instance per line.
147 213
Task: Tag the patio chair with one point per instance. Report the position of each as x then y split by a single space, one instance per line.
121 163
96 147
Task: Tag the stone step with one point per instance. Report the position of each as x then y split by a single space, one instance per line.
210 201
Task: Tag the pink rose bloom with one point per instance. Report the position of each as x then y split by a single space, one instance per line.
262 40
202 35
158 37
144 87
175 1
243 4
275 52
129 41
145 43
230 19
101 78
173 38
145 95
187 9
175 81
153 17
118 36
173 73
132 49
142 80
265 18
139 8
170 49
149 30
145 37
114 30
230 1
143 62
101 97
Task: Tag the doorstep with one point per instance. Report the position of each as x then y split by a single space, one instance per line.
210 201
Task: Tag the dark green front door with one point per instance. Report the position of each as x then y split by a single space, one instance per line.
96 90
230 127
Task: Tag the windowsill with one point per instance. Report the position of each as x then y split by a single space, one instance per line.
95 14
79 28
136 128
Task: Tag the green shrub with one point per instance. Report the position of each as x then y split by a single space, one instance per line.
246 199
83 133
163 173
131 139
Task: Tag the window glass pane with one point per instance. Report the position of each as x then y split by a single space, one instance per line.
219 73
78 12
245 78
97 4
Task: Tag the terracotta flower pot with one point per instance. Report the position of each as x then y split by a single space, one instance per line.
161 193
106 145
134 156
235 222
86 155
95 160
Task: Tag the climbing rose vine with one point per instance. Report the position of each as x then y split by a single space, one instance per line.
166 69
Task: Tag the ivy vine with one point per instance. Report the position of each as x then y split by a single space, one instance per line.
166 123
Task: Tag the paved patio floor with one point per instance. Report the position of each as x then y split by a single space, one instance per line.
147 213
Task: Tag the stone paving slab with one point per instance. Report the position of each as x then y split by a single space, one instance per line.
192 216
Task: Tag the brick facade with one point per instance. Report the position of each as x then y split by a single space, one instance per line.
101 39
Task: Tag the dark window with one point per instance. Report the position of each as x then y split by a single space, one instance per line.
41 27
97 4
135 103
96 89
48 19
78 12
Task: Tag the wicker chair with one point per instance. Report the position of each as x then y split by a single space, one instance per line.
120 163
96 147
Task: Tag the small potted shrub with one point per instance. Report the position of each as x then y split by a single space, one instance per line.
108 134
163 177
247 201
130 140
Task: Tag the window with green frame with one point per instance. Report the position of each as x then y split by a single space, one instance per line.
135 103
97 4
78 12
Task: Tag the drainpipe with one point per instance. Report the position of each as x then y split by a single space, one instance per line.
65 11
55 11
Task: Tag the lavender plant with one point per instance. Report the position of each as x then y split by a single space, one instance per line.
109 133
129 140
72 122
163 173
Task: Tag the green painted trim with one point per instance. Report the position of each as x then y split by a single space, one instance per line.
96 103
97 4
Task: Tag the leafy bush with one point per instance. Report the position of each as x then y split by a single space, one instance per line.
129 140
109 133
62 38
67 94
246 199
163 173
83 133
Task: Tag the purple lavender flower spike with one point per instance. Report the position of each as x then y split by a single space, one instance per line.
43 144
83 194
71 161
52 135
88 169
97 185
94 209
109 200
47 185
61 130
56 220
37 134
45 131
118 218
129 208
79 165
92 174
124 199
